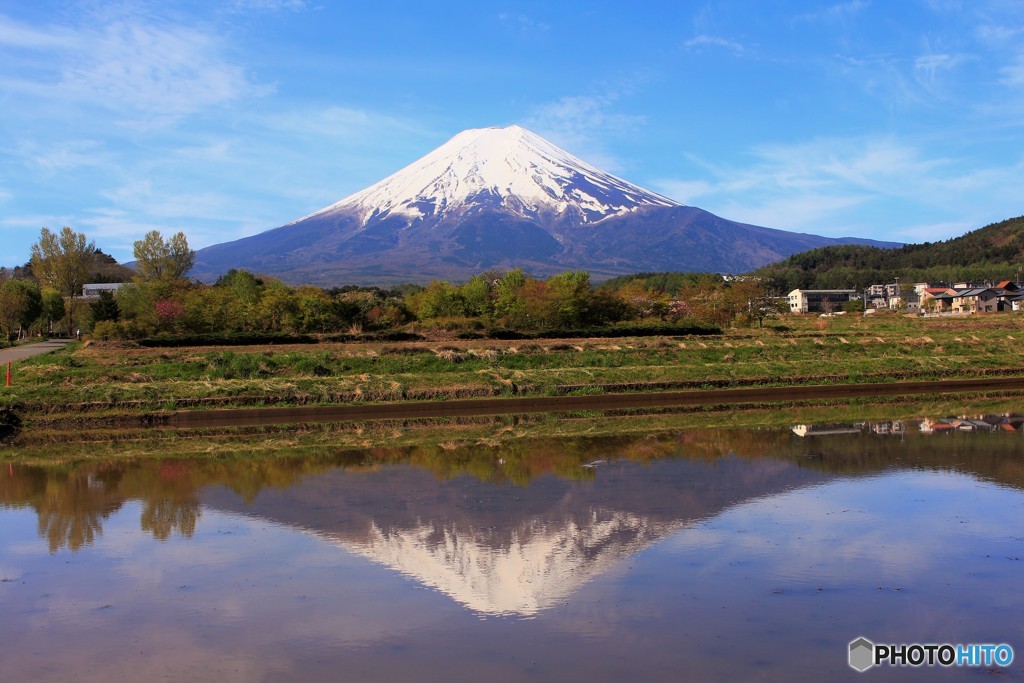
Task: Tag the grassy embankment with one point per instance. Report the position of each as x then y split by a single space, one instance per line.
87 388
98 379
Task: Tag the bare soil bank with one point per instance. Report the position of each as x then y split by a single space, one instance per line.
502 406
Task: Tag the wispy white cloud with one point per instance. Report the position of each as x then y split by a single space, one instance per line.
840 11
524 22
837 186
1013 73
206 217
57 157
172 70
710 33
890 79
584 114
580 123
142 198
341 123
219 187
997 34
945 5
930 70
148 72
218 151
704 40
19 35
269 5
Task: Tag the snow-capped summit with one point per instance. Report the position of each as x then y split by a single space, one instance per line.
500 198
508 167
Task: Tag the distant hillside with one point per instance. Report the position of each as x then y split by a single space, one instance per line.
995 252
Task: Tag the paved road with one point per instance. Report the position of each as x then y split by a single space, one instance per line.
29 350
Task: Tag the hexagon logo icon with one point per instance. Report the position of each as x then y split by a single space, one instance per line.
862 654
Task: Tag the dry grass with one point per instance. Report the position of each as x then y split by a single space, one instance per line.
104 378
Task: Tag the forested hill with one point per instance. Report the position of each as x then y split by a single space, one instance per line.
668 282
995 252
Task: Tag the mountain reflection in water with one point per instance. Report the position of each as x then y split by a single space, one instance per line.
700 555
512 529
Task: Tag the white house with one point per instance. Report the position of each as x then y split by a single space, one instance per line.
819 300
92 291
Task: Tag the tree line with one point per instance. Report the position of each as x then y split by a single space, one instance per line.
159 298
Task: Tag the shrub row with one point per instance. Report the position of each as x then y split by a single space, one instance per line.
597 332
257 338
386 336
233 339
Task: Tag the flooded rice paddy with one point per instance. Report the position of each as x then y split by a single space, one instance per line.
698 555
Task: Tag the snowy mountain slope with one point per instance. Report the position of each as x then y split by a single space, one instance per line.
509 167
501 198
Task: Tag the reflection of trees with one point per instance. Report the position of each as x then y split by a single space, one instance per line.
71 509
167 489
162 516
72 505
72 501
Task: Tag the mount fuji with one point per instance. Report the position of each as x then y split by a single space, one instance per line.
499 198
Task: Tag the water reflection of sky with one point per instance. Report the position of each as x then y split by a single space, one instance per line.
860 527
241 598
722 568
907 556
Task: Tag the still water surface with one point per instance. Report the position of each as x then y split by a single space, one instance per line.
724 555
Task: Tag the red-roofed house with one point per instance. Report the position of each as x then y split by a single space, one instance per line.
937 299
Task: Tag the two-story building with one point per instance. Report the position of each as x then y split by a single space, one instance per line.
984 299
819 300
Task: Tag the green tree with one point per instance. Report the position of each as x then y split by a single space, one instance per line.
315 310
105 309
509 299
208 309
160 261
278 308
52 308
854 306
246 291
479 295
570 297
136 304
62 261
20 304
440 299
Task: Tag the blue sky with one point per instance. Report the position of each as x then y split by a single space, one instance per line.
892 119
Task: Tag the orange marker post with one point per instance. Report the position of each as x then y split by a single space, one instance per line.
8 373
